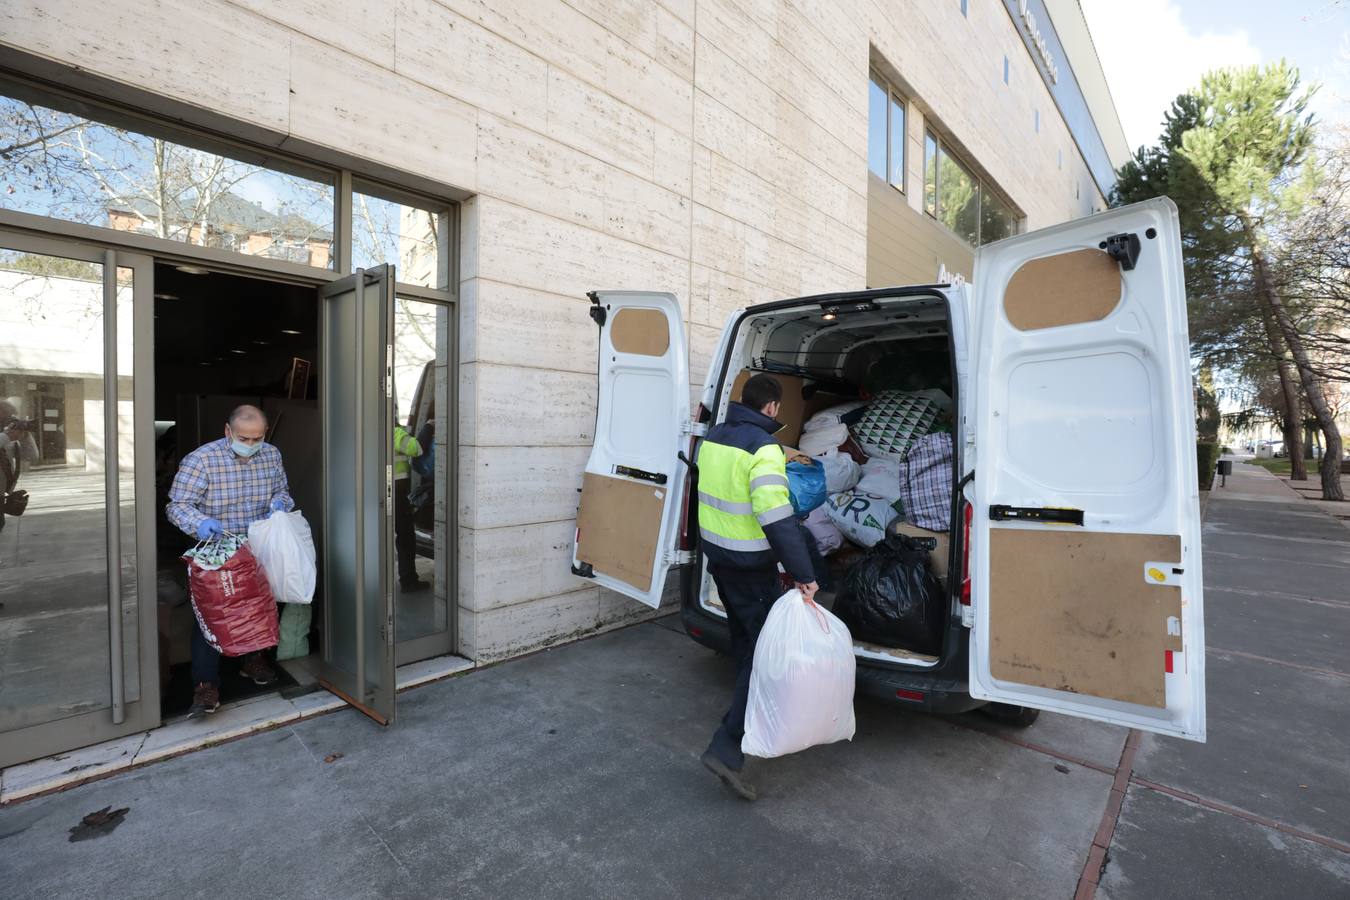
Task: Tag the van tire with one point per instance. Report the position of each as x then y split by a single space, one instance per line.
1014 716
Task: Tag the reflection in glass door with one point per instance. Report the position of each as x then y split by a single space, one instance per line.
424 418
74 647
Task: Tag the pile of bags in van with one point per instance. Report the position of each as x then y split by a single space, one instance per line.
886 468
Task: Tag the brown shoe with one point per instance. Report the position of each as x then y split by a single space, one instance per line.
205 700
258 670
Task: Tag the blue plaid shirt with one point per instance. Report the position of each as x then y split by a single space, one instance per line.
213 482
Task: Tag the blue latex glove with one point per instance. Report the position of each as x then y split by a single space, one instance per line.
209 529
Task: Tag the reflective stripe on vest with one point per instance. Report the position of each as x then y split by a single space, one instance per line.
739 492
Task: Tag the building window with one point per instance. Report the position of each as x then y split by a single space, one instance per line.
122 172
885 132
960 201
1038 121
930 174
958 196
876 128
1005 70
403 232
997 219
965 8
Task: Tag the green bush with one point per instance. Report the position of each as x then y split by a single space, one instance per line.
1206 457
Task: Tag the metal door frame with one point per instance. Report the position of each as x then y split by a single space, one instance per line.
119 718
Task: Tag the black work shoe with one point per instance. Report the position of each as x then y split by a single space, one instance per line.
731 778
258 670
205 700
413 586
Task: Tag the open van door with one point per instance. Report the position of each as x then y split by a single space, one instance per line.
1085 566
628 521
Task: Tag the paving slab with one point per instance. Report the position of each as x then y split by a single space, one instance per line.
257 817
573 773
1306 632
1322 582
1077 738
1277 746
231 721
52 772
555 774
1166 847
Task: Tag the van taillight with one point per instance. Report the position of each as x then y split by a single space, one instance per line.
965 555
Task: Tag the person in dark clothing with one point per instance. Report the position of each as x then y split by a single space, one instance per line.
746 528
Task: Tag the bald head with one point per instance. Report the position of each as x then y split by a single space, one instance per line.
246 424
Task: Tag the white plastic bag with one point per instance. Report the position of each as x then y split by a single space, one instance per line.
841 472
801 686
284 547
823 440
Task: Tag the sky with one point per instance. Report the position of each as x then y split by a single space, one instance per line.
1152 50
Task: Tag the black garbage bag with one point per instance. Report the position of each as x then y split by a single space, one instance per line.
892 597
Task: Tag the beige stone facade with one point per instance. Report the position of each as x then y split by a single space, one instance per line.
716 149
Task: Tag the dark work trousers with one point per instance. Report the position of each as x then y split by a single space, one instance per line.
405 541
205 658
747 595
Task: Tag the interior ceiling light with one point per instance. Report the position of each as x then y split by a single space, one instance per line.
193 270
829 317
290 331
159 296
262 343
833 310
240 352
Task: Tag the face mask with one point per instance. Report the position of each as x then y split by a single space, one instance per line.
244 450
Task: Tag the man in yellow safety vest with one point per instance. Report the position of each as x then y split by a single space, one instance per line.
746 527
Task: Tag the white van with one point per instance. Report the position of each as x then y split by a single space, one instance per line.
1075 561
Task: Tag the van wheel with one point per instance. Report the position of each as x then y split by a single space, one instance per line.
1015 716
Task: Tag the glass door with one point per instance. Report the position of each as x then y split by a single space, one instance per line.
77 581
423 465
356 391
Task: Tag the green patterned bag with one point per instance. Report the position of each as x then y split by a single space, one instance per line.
894 420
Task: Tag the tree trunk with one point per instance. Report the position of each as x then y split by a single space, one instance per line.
1293 437
1312 383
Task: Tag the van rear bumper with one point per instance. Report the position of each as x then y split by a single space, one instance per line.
919 689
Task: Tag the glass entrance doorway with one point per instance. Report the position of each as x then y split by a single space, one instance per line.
76 642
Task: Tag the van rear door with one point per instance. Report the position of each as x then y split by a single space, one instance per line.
628 521
1085 566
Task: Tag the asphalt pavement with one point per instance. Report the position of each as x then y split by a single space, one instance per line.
574 773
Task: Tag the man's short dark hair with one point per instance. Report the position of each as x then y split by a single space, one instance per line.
760 391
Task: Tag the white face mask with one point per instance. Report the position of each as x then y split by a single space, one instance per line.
242 449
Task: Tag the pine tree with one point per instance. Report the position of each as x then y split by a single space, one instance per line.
1235 157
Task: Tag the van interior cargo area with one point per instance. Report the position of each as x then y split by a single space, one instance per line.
832 358
261 348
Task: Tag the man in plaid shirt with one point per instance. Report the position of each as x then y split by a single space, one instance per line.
225 486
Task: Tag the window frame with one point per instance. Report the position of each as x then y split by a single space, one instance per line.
893 99
345 183
981 186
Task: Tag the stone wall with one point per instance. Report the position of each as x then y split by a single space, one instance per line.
712 148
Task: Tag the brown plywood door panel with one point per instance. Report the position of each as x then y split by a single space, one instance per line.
791 412
1072 611
618 525
1064 289
641 331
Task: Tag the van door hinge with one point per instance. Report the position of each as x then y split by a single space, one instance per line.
697 429
598 312
679 557
389 491
389 370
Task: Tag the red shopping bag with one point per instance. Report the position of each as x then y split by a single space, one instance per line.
233 604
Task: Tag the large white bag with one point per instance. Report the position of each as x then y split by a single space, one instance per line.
284 547
841 472
814 443
801 686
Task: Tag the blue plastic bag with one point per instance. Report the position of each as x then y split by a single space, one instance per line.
806 486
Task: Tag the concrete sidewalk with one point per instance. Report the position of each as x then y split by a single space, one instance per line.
574 773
